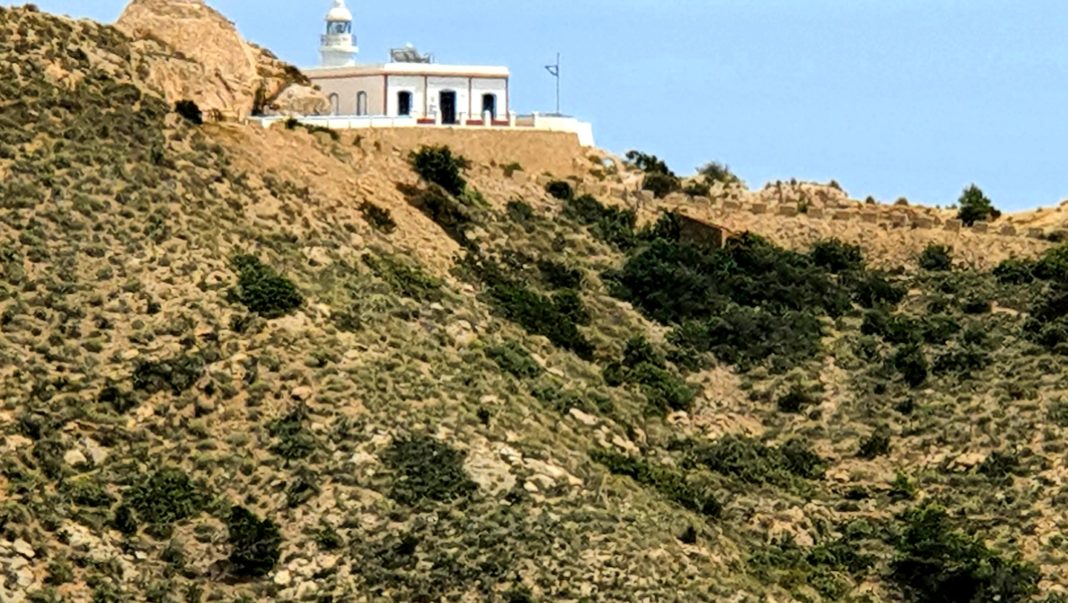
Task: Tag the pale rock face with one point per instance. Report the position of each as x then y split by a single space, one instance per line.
199 55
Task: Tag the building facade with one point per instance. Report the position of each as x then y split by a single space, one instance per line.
412 90
410 85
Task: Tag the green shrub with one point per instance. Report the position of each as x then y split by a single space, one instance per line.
643 366
670 483
379 218
612 225
176 374
189 111
556 318
560 276
165 496
453 216
911 363
836 256
404 278
753 462
428 470
560 189
254 543
875 445
293 440
696 189
795 400
975 207
661 185
1047 324
438 165
934 562
714 171
1015 271
936 258
871 289
1053 265
521 213
748 337
262 290
512 358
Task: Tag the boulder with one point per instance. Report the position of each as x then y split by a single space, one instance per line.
197 54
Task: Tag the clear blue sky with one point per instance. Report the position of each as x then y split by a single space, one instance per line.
890 97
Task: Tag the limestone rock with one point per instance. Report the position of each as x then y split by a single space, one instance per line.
199 55
23 548
298 99
75 458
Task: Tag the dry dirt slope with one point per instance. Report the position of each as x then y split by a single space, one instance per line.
422 426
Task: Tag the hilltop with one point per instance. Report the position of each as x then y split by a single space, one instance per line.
300 365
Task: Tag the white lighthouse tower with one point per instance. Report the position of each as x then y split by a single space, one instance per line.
338 47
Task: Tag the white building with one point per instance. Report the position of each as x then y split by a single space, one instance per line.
411 90
410 85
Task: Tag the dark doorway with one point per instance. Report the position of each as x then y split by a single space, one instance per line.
489 105
448 107
404 103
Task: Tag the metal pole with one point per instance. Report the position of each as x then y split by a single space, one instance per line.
558 83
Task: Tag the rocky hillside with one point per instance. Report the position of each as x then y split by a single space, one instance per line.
292 365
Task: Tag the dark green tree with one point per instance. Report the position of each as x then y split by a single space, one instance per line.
976 207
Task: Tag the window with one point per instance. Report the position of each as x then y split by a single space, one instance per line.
489 105
339 28
404 103
361 103
335 104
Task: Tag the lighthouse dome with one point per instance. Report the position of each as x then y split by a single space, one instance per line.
339 12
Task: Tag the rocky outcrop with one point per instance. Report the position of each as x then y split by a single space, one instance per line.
198 54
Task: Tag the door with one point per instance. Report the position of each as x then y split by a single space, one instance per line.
361 103
448 107
489 105
404 103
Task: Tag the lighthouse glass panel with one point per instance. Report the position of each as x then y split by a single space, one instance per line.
339 27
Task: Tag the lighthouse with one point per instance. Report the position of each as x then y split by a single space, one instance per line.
338 46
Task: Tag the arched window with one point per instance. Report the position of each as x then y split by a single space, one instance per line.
404 103
489 105
361 103
335 104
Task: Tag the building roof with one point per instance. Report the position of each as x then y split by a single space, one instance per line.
431 69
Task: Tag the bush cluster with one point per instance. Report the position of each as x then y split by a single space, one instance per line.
427 470
379 218
556 317
936 562
613 225
936 258
448 212
404 278
659 179
975 207
747 303
670 483
175 375
438 165
255 544
514 359
754 462
836 256
262 290
641 365
164 496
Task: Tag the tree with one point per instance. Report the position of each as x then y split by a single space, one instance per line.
976 207
714 171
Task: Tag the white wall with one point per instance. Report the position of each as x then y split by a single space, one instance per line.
406 83
497 87
348 88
